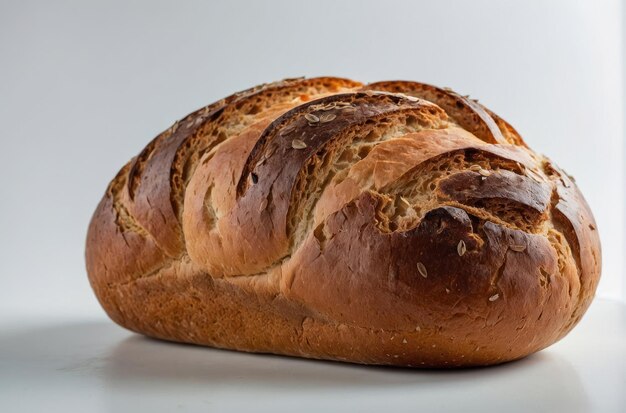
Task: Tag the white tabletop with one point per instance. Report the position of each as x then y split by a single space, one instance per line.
92 365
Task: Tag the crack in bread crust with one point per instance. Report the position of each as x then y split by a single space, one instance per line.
326 219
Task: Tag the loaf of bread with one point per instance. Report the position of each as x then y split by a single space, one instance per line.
394 223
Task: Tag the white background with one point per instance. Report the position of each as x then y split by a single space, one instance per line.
85 85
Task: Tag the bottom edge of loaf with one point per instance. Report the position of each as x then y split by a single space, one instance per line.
197 309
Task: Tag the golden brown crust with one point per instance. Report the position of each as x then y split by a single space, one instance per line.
395 223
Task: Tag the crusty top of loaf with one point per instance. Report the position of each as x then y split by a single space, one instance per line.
408 198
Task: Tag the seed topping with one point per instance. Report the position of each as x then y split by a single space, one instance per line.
298 144
422 270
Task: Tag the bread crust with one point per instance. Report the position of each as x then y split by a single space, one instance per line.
394 223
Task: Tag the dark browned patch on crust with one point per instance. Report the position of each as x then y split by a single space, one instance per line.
469 186
511 197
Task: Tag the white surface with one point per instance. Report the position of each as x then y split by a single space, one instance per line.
85 85
91 365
